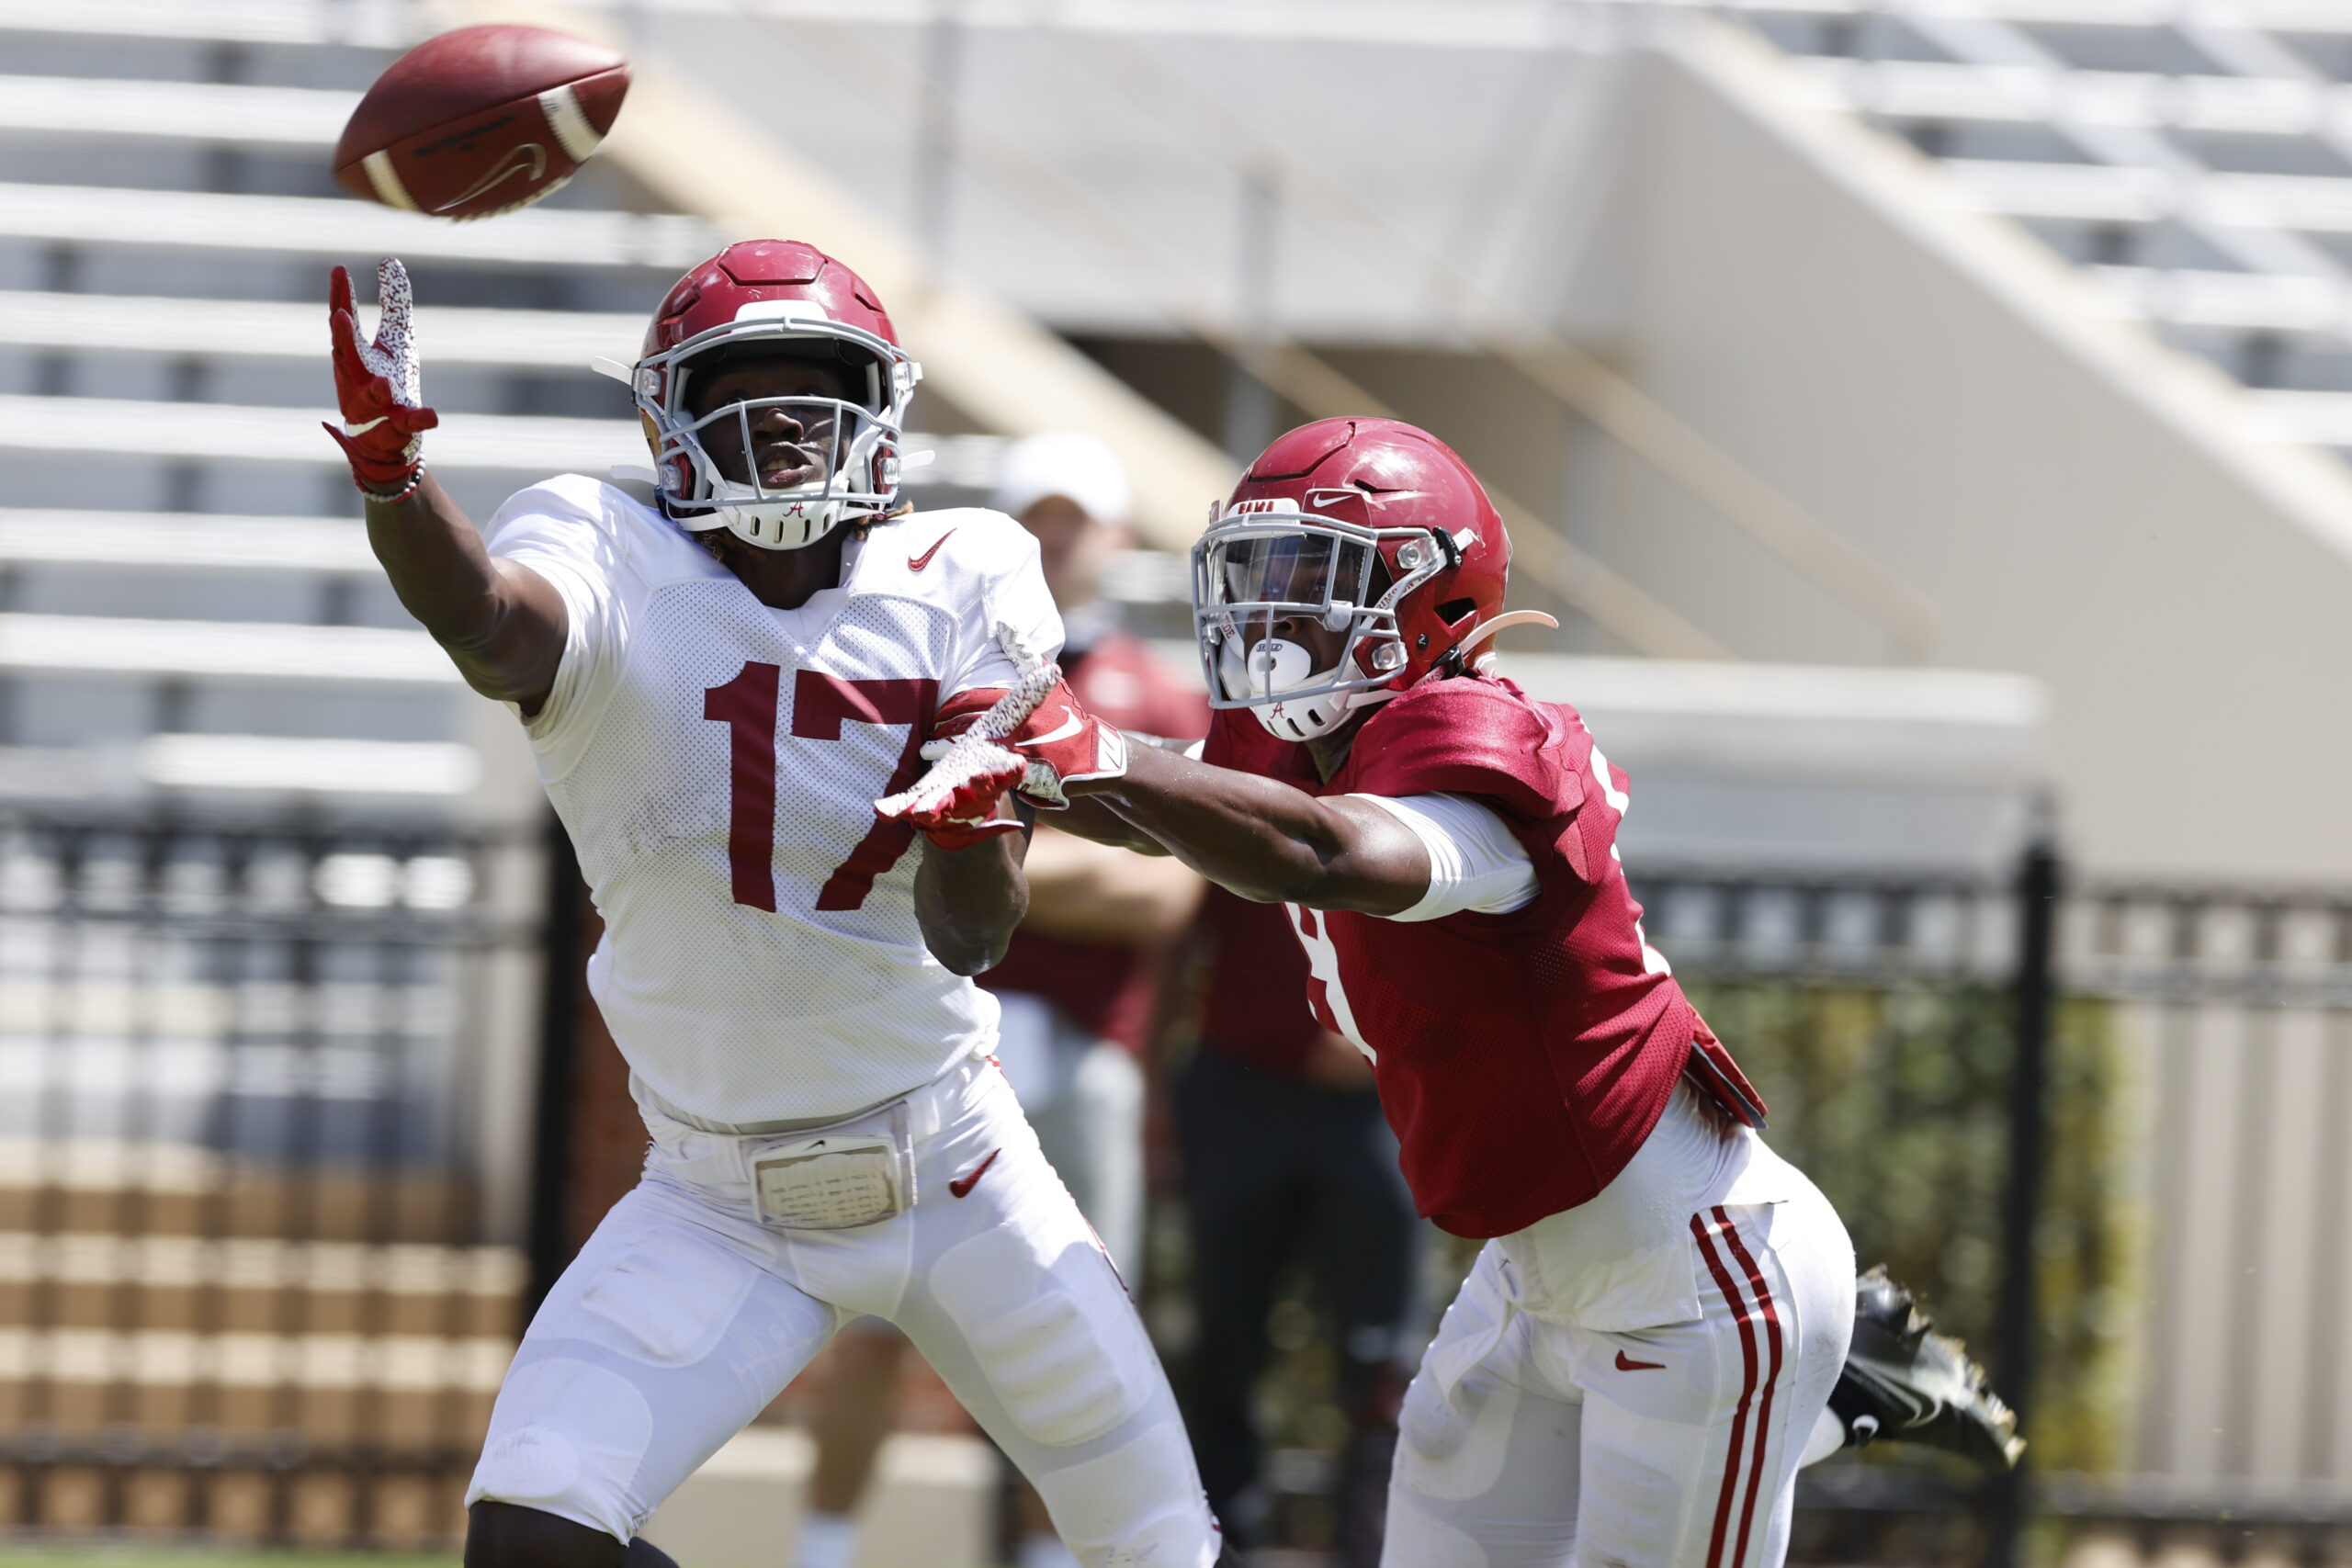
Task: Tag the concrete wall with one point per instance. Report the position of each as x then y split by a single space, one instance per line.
2083 505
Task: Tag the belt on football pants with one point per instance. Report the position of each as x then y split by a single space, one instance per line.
925 1106
830 1172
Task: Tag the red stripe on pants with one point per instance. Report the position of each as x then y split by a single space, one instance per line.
1730 1289
1772 1339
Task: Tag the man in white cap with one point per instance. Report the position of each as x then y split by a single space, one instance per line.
1078 986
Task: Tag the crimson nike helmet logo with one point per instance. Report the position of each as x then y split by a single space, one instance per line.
1627 1364
916 563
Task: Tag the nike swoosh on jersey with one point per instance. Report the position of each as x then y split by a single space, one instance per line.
1626 1364
962 1186
916 563
1069 725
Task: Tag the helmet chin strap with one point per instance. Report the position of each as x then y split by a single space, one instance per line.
1488 629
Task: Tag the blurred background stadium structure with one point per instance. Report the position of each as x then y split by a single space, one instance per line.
1928 418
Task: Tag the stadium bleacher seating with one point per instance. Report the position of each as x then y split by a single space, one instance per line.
2196 161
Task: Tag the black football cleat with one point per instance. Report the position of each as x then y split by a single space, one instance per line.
1903 1382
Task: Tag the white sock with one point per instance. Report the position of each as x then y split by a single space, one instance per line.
827 1540
1046 1552
1829 1437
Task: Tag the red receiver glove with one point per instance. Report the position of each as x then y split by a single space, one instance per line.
990 742
379 385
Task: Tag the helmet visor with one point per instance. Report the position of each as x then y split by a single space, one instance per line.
1283 602
1310 572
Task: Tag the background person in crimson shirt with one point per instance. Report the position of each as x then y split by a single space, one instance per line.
1286 1160
1080 985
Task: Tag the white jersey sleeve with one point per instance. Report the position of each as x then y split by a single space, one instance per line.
565 531
1009 589
1476 862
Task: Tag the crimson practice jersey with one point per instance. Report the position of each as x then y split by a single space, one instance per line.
715 762
1521 1058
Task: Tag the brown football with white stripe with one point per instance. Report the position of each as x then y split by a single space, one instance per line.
481 121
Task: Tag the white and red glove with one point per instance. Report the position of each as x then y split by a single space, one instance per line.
988 743
379 385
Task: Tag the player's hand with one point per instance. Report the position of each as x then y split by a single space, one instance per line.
961 800
379 385
987 743
982 752
1064 744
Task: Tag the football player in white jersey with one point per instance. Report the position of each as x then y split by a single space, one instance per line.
717 687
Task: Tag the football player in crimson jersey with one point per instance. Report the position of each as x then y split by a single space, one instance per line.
1644 1355
717 687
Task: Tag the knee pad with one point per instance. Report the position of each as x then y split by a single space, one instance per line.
1631 1509
658 1298
576 1451
661 1298
1136 1506
1061 1347
1453 1446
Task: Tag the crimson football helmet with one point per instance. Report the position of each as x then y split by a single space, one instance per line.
1366 526
771 296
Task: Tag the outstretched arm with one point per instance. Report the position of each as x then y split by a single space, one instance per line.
1266 841
502 623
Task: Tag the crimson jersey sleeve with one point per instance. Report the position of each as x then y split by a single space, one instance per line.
1463 737
1533 762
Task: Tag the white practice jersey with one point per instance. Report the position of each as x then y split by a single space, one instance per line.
717 761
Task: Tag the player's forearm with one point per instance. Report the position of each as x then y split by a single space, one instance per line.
1264 839
1094 821
969 901
461 595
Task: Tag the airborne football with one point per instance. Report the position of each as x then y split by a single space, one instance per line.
1448 784
481 121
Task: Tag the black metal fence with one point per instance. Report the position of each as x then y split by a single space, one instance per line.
251 1081
259 1088
1886 1018
2103 1129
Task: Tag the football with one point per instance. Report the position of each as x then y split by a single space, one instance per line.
481 121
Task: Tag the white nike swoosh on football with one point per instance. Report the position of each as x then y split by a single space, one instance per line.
1070 726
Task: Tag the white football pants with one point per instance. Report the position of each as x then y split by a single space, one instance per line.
1085 1097
1527 1443
684 1317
